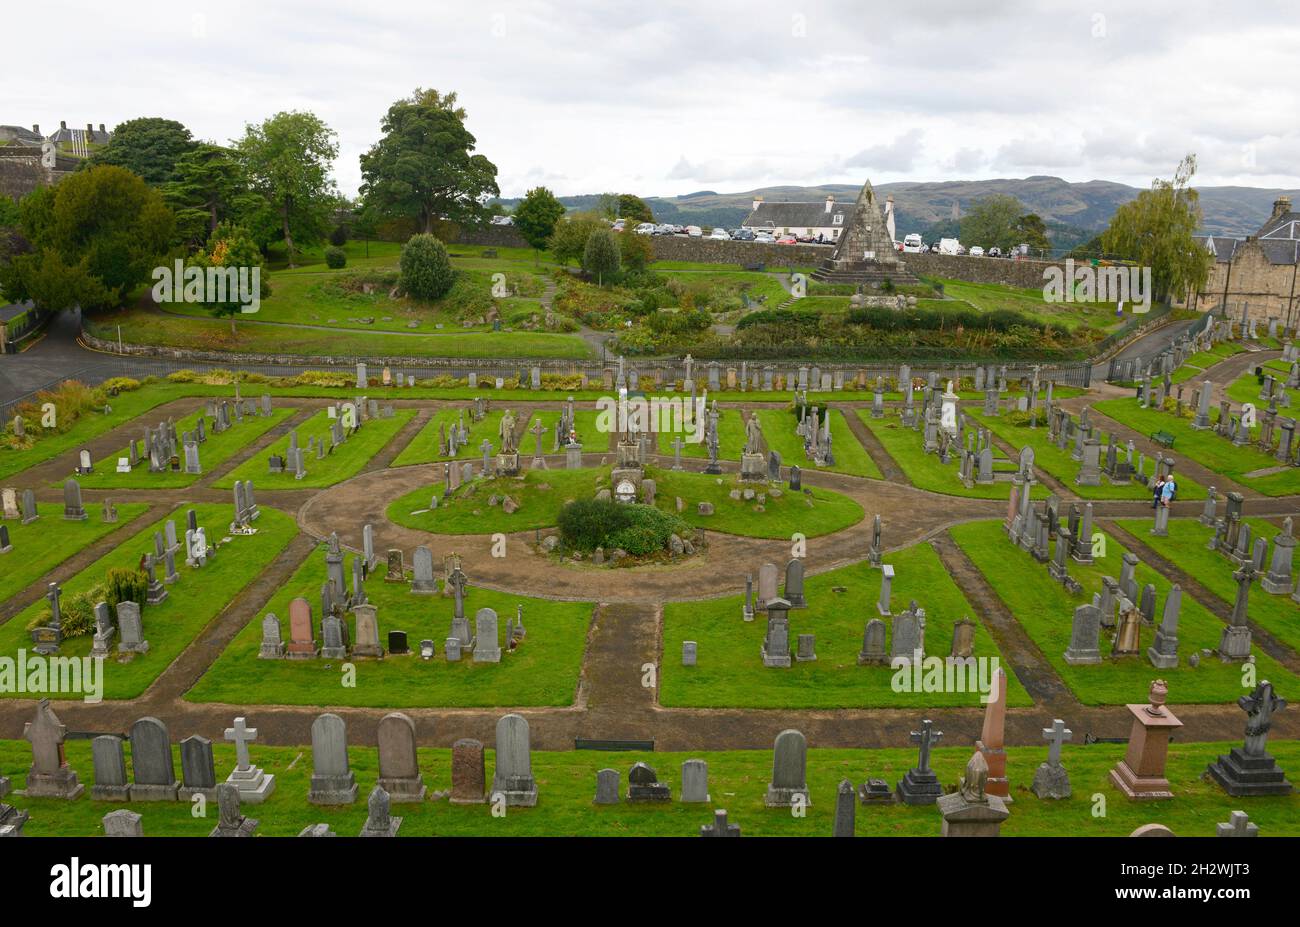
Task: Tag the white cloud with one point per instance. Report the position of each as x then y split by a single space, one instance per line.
664 98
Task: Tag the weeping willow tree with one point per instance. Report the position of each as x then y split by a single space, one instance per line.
1156 230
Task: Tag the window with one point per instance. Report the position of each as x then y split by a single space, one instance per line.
839 218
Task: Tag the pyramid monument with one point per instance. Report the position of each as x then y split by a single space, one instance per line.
865 252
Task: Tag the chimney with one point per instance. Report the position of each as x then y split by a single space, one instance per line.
63 123
101 129
36 128
90 130
830 202
1281 206
758 201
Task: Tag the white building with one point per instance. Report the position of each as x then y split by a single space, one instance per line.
802 220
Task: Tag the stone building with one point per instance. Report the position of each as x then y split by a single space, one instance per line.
29 160
824 221
1256 275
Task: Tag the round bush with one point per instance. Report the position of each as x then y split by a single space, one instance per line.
425 268
339 237
638 529
335 258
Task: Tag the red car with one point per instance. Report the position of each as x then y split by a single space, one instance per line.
786 240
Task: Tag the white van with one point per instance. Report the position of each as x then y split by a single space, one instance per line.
912 244
949 246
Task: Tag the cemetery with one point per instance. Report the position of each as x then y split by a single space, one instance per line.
949 581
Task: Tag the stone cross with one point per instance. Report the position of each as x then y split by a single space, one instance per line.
927 737
538 430
242 735
1056 735
486 448
678 446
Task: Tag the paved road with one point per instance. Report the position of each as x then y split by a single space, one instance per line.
1147 345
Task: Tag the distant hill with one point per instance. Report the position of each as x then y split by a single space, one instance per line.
1073 211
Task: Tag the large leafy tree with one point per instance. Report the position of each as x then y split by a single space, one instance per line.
992 221
600 257
231 246
1156 228
424 167
631 206
149 146
209 187
1032 230
95 237
287 160
536 215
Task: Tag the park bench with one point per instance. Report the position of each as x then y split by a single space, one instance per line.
756 265
1163 438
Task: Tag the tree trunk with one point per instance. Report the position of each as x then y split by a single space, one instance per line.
288 238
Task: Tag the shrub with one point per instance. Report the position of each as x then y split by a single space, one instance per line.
335 258
126 586
425 268
638 529
339 237
600 257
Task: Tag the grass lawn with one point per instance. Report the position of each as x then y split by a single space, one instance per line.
542 671
1045 609
738 781
212 453
424 446
813 512
347 460
850 456
191 603
48 541
925 470
542 493
141 326
1205 447
1185 546
989 297
731 438
1246 389
730 673
1049 458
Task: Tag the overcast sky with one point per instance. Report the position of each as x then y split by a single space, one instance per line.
664 98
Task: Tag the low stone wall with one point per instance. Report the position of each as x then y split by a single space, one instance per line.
711 251
491 236
1020 273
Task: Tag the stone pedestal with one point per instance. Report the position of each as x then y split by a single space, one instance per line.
963 818
753 468
919 787
1242 775
1141 774
1051 782
1234 644
254 785
508 464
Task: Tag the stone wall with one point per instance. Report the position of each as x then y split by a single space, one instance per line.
710 251
21 175
1002 271
492 236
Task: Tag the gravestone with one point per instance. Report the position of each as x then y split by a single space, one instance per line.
399 770
379 820
487 648
873 644
198 769
110 769
1085 635
468 773
919 785
845 810
332 780
153 770
1051 781
367 642
789 783
606 787
254 785
695 781
1250 769
272 647
643 785
49 776
123 823
513 776
972 811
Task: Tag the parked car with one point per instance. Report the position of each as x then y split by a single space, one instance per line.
619 225
694 231
503 220
912 244
787 240
995 251
977 251
742 235
949 246
720 234
645 228
764 238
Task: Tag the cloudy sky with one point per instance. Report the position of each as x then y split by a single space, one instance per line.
668 97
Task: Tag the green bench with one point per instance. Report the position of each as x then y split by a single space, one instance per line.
1163 438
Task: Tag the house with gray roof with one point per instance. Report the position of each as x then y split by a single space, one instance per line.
1256 276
